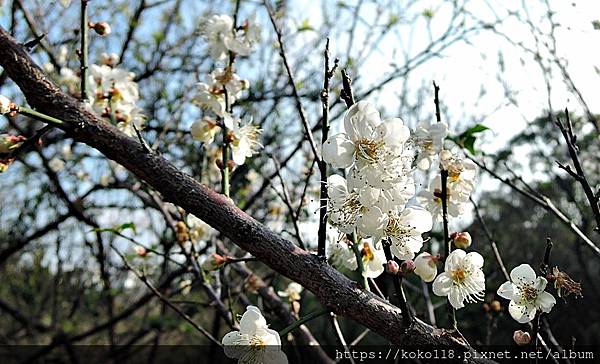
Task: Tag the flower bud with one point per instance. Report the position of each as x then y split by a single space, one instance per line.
392 267
10 142
521 337
426 266
141 251
101 28
213 262
496 306
407 267
462 240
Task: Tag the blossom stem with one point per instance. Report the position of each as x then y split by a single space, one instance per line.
39 116
359 260
303 320
83 56
447 245
397 281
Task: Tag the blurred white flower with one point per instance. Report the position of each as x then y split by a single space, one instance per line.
56 165
204 130
292 292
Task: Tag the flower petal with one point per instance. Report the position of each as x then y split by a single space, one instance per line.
509 291
475 259
252 321
545 301
523 275
521 313
456 298
442 285
338 151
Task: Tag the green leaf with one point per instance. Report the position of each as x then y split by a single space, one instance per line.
467 138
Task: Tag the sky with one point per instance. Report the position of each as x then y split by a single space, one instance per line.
463 69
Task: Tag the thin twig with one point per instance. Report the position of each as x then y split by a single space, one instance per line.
299 107
397 281
340 334
444 198
165 300
578 174
83 56
544 202
328 74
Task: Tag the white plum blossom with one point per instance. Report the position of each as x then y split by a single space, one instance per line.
221 38
204 130
461 174
254 342
431 200
114 95
244 140
426 266
525 290
429 140
403 230
345 209
373 147
292 292
222 88
373 259
462 279
340 254
217 31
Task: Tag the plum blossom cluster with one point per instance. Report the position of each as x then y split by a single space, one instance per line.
376 198
373 198
222 37
222 87
112 91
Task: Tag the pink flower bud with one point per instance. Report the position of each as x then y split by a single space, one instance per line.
10 142
101 28
521 337
392 267
141 251
462 240
214 262
407 267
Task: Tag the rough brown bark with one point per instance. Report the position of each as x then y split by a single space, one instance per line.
343 296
